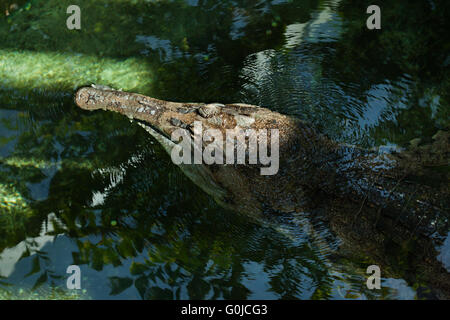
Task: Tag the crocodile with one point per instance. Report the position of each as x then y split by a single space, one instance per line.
381 204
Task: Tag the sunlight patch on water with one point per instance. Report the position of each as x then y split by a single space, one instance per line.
11 200
115 175
9 257
45 164
444 255
294 34
324 26
53 70
400 287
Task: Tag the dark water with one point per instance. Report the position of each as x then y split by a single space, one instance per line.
94 190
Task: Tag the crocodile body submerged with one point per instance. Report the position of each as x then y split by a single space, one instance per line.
379 204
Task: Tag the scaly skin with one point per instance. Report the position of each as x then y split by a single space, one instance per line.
377 203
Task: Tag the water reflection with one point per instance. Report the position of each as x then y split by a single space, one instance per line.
95 190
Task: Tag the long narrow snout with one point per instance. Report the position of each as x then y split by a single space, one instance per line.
157 113
132 105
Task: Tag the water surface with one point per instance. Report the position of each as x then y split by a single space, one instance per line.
93 189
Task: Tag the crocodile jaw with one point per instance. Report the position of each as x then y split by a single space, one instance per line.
157 124
155 113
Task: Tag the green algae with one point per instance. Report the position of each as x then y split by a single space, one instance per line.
43 294
60 71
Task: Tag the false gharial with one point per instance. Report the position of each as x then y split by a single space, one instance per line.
381 204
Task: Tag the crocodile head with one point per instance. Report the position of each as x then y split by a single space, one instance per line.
230 185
